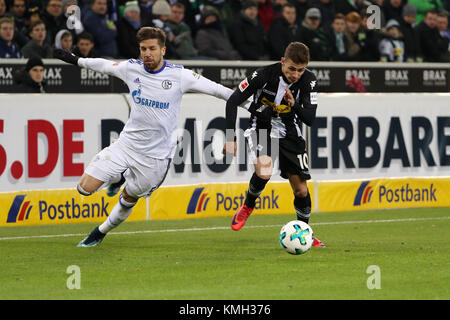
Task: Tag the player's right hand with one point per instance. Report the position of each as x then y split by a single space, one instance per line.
230 147
265 115
65 56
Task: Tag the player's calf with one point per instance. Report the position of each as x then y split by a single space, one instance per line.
82 191
119 214
89 185
302 207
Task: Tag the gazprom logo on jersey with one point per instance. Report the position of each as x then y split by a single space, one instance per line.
145 102
17 211
400 193
226 202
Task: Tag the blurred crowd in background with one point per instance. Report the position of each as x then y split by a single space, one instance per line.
334 30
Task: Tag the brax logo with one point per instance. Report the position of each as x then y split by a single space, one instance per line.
363 74
322 75
434 75
52 73
87 74
232 74
396 75
6 73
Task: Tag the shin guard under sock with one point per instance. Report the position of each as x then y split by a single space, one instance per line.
256 186
303 208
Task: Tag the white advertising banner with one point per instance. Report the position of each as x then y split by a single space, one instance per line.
360 136
355 136
46 141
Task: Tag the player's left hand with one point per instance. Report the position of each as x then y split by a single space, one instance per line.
65 56
288 97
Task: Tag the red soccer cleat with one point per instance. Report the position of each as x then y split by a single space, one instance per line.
240 217
317 243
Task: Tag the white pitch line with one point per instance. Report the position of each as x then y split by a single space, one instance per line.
224 228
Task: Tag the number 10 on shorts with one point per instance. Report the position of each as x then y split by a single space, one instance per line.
303 160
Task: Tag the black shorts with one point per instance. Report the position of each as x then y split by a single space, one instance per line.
291 151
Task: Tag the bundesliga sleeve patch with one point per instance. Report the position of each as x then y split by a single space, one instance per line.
243 85
313 97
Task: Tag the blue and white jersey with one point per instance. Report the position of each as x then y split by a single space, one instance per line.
155 99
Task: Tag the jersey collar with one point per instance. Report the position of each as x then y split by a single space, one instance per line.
157 71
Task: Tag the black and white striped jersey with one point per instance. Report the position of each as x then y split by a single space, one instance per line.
267 86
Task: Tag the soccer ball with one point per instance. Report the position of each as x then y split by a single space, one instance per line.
296 237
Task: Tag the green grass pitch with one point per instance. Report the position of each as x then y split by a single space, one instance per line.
203 259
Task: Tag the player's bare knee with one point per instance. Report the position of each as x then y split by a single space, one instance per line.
127 197
300 192
264 167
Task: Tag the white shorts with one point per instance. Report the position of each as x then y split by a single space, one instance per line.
143 174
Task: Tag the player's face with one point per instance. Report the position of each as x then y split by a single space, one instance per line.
292 71
152 54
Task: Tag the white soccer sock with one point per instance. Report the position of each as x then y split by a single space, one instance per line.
119 214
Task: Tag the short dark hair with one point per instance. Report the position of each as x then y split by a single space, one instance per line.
297 52
36 23
287 5
432 11
179 5
6 20
86 36
339 16
146 33
443 13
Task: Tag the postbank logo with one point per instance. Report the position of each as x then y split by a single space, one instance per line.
19 210
364 193
198 201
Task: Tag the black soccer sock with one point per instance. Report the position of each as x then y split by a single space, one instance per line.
256 186
303 208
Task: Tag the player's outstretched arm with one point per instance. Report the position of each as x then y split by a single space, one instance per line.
97 64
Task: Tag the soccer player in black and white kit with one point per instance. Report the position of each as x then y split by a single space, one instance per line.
141 156
284 97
